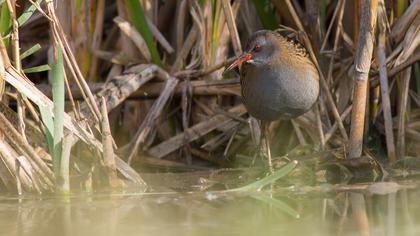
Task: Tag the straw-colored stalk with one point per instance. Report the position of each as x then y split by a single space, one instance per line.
362 66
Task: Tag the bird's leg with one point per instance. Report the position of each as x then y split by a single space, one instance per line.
265 126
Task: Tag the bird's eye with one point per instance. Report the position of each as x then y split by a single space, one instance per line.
257 48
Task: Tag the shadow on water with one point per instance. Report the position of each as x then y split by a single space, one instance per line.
384 208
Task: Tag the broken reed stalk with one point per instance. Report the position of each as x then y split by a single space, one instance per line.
383 76
361 73
108 149
17 178
64 184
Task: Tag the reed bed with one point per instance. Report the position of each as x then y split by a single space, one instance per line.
92 93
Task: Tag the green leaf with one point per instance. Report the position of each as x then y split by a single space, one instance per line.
58 99
36 69
27 14
47 119
278 204
139 21
5 22
257 185
30 51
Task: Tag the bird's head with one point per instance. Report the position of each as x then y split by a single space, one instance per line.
260 49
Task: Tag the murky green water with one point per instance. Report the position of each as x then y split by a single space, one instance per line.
363 209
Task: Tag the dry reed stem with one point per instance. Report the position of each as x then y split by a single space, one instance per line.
121 87
135 37
186 48
357 21
152 89
15 35
411 41
327 34
405 21
402 116
230 19
319 124
362 66
415 57
332 130
336 40
70 59
18 64
180 24
97 37
8 156
159 37
299 133
193 133
24 148
383 76
24 86
323 83
151 117
76 127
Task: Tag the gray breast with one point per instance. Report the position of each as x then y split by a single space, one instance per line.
280 92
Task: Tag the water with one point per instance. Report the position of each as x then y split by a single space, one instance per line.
203 209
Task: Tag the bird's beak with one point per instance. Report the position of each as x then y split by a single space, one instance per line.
241 59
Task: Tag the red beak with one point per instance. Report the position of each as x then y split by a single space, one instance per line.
241 59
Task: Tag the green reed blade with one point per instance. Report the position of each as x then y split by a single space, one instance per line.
5 22
278 204
47 119
30 51
257 185
36 69
58 99
22 19
265 13
139 21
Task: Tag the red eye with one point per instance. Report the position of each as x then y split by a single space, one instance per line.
257 48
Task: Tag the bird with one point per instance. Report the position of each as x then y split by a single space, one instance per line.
279 81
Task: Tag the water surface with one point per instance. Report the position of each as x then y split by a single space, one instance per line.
201 209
